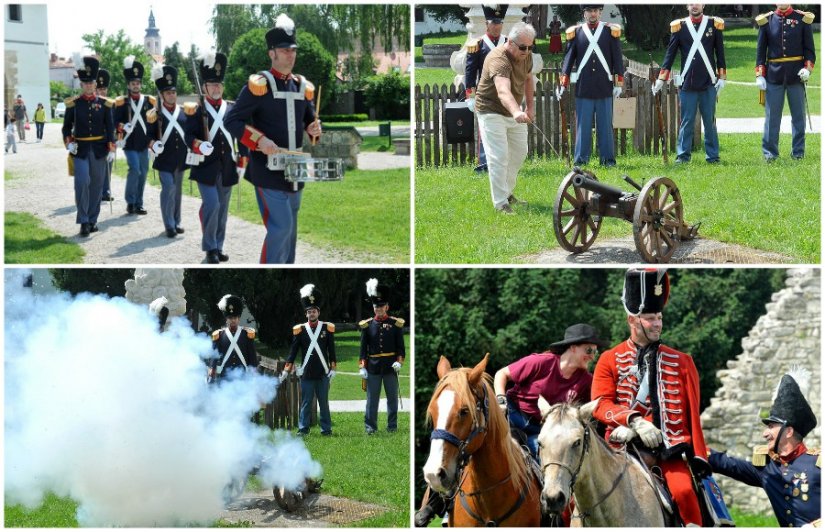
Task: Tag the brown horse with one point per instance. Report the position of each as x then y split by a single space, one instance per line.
472 456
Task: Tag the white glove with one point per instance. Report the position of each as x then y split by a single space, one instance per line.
761 82
804 74
622 434
649 434
241 171
284 375
127 127
206 147
720 84
157 147
120 144
331 374
72 147
617 91
657 86
299 371
559 92
471 104
396 366
110 157
363 373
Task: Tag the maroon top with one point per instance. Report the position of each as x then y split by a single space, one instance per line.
540 374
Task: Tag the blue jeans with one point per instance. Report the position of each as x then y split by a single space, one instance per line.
138 162
390 382
311 388
40 126
774 104
527 425
88 182
603 109
279 211
171 189
482 157
213 214
706 101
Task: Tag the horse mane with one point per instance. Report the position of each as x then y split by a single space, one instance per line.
498 430
560 410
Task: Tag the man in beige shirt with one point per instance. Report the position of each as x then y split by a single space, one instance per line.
506 81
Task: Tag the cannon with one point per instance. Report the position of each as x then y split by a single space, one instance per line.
655 210
293 500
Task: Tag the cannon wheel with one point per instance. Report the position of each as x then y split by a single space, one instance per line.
656 220
575 228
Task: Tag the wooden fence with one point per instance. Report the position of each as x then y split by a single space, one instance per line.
544 139
282 412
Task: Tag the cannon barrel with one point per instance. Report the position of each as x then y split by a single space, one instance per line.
610 193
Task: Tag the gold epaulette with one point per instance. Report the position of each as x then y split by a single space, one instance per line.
571 32
719 23
615 30
250 333
398 322
216 335
762 19
190 108
676 25
815 452
70 101
152 100
331 327
474 47
257 84
120 100
760 455
296 329
364 323
152 115
108 102
309 92
807 17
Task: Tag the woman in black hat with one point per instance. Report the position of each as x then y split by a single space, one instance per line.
560 375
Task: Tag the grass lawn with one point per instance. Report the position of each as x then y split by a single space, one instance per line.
342 214
341 457
27 241
743 200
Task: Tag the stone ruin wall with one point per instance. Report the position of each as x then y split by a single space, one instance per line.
786 335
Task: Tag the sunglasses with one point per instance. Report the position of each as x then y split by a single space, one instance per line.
524 47
592 350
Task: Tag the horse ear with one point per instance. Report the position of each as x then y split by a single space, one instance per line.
544 406
586 410
478 371
443 367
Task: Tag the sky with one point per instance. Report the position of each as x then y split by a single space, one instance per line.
185 22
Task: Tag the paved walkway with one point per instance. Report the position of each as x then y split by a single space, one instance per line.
43 188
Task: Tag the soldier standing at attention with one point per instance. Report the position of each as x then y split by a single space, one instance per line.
785 57
235 345
103 80
271 115
599 78
88 133
699 39
475 63
382 353
130 117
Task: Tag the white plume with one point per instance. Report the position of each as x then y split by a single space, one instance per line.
307 290
491 6
157 71
128 61
802 376
285 23
372 287
156 305
222 302
208 59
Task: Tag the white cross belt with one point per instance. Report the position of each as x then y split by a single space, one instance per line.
314 347
233 347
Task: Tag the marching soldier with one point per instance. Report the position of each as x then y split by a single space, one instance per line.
235 344
785 58
788 471
475 63
699 40
169 146
270 116
130 117
88 134
382 354
595 49
103 79
316 341
215 169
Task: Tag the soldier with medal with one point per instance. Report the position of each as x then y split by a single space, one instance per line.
133 132
315 340
213 159
88 134
271 115
169 146
699 40
103 80
650 391
785 468
235 345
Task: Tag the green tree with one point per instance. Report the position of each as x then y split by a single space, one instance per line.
389 96
174 58
108 281
445 13
112 50
648 26
59 91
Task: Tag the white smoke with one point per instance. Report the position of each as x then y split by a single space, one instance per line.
102 408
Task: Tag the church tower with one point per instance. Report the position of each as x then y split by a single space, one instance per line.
151 42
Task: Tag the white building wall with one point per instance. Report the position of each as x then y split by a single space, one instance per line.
26 58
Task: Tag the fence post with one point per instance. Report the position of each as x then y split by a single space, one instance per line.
419 127
428 129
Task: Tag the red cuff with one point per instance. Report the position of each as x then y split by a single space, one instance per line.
564 80
196 147
664 75
809 65
251 137
760 70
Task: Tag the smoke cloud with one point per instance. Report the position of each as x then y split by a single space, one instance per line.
102 408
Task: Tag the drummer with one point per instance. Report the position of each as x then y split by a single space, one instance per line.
267 124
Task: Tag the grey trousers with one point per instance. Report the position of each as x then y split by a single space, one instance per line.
390 382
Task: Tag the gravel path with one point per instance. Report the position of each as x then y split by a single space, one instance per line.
42 187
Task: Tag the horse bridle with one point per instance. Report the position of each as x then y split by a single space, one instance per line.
443 434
